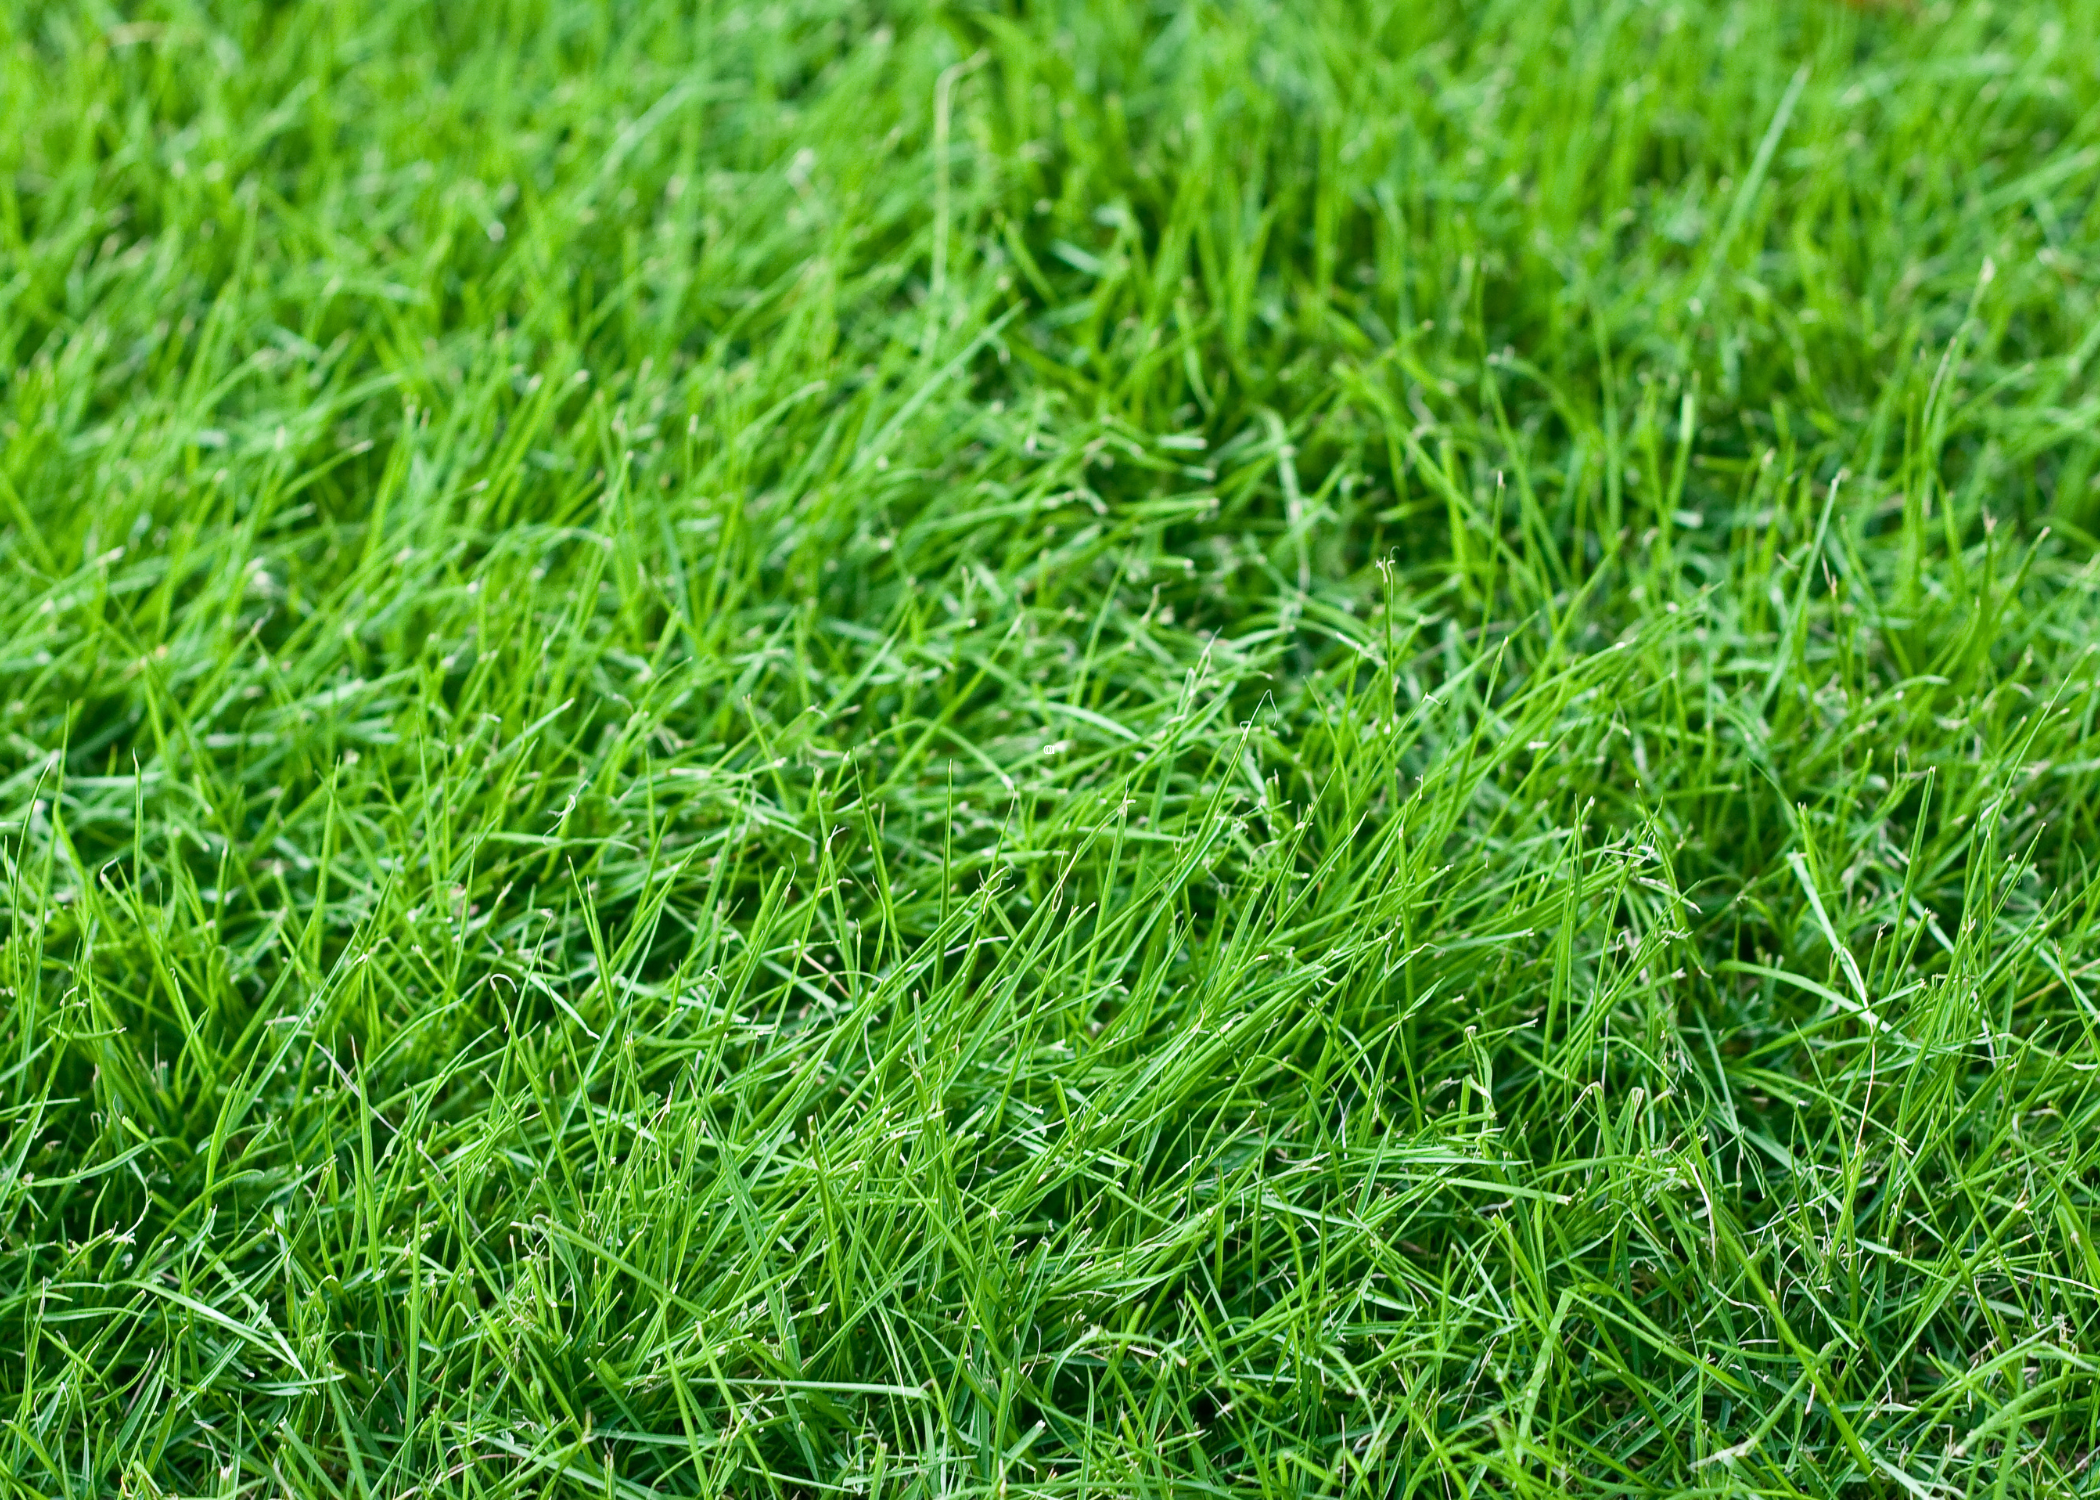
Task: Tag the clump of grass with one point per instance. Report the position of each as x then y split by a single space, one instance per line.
1069 749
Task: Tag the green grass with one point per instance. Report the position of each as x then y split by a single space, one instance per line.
1049 749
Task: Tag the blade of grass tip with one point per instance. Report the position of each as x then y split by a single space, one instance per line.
943 98
1797 616
1752 184
1800 864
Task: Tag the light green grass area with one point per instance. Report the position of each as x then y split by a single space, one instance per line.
1070 749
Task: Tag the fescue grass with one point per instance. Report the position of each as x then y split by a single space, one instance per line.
1049 749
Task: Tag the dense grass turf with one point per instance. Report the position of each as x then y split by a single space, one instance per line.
1067 749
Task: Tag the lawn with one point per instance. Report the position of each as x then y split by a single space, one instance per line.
1064 747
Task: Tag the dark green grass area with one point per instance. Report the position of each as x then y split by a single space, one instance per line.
1052 749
